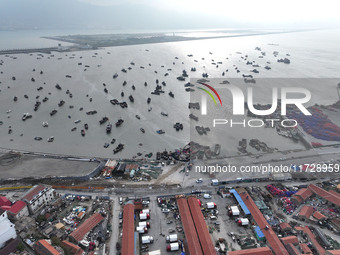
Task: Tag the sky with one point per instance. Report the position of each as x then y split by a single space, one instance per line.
168 14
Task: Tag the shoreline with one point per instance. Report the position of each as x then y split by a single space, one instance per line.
92 42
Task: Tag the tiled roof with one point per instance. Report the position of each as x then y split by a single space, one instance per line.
305 249
318 215
49 248
4 201
290 239
256 251
299 199
306 211
33 192
315 243
325 194
191 236
333 252
285 225
74 249
16 207
86 227
292 250
335 193
128 239
207 244
269 233
304 193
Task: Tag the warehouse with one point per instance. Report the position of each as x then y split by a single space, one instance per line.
128 239
201 227
194 246
240 201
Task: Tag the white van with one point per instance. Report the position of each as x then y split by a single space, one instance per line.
207 196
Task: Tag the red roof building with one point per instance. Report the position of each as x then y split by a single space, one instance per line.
207 244
330 197
42 247
4 201
256 251
305 249
128 239
290 239
319 216
292 250
17 210
320 250
86 227
33 192
285 226
272 239
333 252
333 192
306 211
72 248
189 227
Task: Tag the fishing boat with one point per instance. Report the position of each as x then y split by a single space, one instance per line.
103 120
142 130
108 128
160 131
82 132
149 100
118 148
119 122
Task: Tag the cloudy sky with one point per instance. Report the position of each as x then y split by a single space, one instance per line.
167 14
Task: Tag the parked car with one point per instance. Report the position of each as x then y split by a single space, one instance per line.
200 180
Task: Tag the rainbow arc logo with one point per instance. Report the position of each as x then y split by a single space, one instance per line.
204 99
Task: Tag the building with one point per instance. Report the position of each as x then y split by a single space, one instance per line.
89 224
305 249
301 196
272 239
128 239
44 247
333 252
290 239
291 249
4 201
330 197
72 248
16 210
11 246
204 237
7 229
38 196
305 212
256 251
285 227
311 237
191 236
319 216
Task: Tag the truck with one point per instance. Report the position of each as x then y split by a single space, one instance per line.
141 230
207 196
145 211
172 238
144 216
147 239
233 211
243 222
214 182
173 247
144 224
211 205
157 252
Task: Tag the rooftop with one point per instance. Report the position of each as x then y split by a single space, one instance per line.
330 197
33 192
317 246
86 227
290 239
128 239
306 211
16 207
318 215
304 193
256 251
48 247
269 233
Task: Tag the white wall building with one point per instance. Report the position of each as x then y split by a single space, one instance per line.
7 230
38 196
